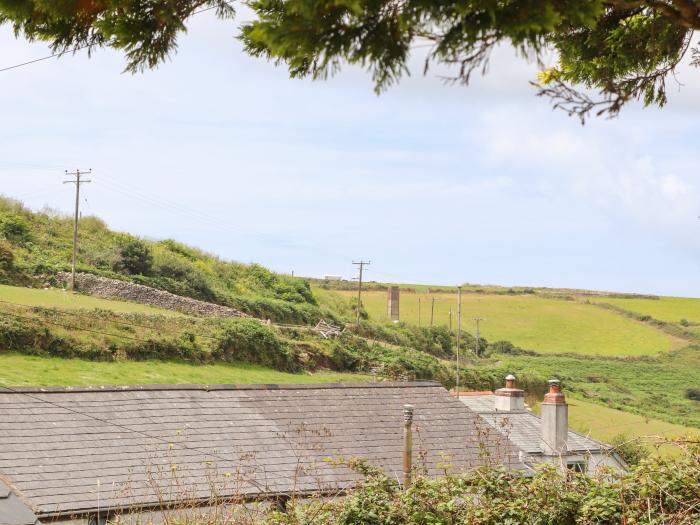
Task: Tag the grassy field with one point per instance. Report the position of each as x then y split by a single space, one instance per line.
58 298
532 322
21 370
648 387
670 309
604 423
607 424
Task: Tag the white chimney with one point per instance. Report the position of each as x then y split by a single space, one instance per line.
555 420
509 399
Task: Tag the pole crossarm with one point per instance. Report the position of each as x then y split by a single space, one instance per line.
361 264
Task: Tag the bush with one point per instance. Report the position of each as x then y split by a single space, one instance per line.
630 450
7 257
14 228
135 257
656 491
248 341
693 394
684 322
178 275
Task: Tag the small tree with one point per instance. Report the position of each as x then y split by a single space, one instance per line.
135 257
14 228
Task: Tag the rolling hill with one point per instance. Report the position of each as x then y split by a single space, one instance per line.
635 354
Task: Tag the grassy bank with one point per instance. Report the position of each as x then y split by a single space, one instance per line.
23 370
63 299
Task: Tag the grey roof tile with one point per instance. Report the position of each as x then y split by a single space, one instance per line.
523 428
69 449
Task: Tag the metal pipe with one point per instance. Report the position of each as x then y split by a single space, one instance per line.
407 445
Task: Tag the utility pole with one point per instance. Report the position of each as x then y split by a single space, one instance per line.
361 264
450 320
459 330
418 312
477 319
77 181
432 311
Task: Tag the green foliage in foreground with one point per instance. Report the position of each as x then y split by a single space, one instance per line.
656 491
623 49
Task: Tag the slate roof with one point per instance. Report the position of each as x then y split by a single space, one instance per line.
73 450
523 428
12 510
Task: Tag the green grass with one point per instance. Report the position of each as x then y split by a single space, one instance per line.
670 309
605 423
59 298
536 323
22 370
648 387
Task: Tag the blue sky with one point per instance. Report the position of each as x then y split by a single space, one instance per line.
432 183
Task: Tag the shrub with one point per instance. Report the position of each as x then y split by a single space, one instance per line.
248 341
7 257
15 228
693 394
135 257
684 322
656 491
179 275
631 450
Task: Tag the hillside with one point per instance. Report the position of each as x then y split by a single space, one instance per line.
638 354
35 246
532 321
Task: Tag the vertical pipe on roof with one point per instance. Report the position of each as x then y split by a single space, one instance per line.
407 445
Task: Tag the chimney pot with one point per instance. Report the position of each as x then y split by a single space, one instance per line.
509 398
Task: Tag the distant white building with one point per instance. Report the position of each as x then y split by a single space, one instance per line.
332 277
545 438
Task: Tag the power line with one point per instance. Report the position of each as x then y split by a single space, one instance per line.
206 452
55 55
84 316
71 327
75 49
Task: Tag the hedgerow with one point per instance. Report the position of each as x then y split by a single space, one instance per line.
659 490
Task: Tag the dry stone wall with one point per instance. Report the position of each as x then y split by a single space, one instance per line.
115 289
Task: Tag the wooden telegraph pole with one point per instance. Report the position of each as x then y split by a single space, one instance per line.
459 329
478 320
361 265
77 181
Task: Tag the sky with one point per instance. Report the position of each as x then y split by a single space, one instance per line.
432 183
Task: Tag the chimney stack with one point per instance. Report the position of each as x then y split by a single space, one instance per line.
555 420
509 399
